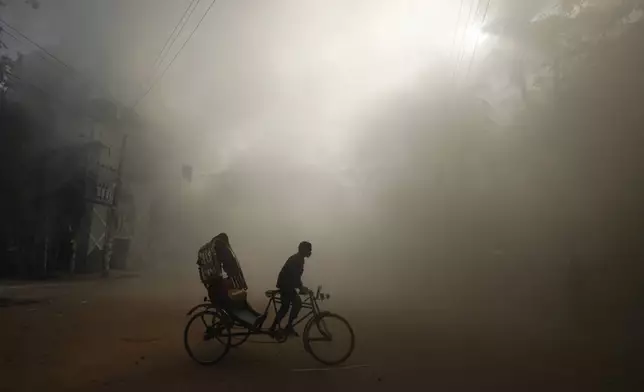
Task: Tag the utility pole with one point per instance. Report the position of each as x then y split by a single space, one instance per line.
186 179
112 212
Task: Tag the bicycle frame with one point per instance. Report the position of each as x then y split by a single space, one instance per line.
310 303
234 327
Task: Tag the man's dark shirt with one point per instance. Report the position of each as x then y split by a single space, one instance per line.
290 276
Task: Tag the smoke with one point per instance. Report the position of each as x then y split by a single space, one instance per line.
395 176
358 126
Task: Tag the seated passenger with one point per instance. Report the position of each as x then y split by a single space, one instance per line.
221 274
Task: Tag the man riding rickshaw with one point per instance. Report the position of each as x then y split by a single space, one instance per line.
228 320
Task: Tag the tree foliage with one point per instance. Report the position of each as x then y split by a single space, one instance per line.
557 189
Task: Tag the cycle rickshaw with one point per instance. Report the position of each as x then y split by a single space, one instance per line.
212 326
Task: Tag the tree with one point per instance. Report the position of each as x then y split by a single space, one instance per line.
561 181
6 64
583 139
547 43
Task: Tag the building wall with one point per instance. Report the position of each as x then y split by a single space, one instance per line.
102 170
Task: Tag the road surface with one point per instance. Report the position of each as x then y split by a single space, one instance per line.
126 335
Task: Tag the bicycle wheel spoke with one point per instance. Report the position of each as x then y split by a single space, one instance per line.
203 321
329 339
206 340
324 330
211 332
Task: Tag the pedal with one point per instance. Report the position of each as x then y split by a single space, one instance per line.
280 336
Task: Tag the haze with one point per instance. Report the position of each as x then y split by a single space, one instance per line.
470 161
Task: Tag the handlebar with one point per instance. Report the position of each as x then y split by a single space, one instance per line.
319 295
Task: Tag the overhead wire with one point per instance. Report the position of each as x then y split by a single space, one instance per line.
470 20
176 55
4 31
50 55
173 38
461 54
34 43
458 23
476 44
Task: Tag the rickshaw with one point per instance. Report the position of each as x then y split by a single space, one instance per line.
212 330
231 328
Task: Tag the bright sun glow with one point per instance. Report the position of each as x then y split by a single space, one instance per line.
475 35
329 69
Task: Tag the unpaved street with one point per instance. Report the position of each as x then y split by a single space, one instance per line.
126 334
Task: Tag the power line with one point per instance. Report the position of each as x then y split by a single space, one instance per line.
470 18
172 38
192 33
476 44
459 55
4 31
458 22
68 67
48 53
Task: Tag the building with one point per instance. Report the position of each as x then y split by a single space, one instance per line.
62 146
108 226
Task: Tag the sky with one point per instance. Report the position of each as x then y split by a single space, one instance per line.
299 76
295 75
278 105
284 94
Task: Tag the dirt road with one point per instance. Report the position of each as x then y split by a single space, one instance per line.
126 335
